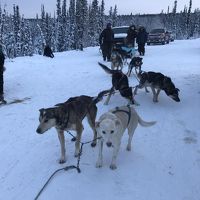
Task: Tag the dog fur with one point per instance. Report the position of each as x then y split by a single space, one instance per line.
111 127
157 82
68 116
136 62
119 82
116 61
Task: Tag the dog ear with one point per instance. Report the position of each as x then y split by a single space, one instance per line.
41 110
97 124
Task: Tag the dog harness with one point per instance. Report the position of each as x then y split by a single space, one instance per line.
127 112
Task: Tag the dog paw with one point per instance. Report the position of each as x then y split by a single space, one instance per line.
98 164
155 100
113 166
73 139
76 154
128 148
93 144
61 161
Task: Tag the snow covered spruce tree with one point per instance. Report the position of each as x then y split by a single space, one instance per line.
114 16
59 27
81 27
196 23
102 15
46 27
188 21
72 20
64 25
94 29
26 39
7 39
16 27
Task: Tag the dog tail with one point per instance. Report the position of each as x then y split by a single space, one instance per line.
144 123
100 96
106 69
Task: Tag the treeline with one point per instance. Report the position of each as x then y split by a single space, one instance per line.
79 24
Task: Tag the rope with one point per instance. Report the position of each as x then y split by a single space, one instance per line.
64 168
77 167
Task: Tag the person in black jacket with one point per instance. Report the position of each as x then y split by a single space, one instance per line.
106 42
48 52
2 58
131 36
141 40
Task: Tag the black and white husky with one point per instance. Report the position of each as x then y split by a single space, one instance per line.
157 82
120 83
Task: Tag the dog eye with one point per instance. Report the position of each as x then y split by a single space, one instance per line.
46 120
103 132
112 131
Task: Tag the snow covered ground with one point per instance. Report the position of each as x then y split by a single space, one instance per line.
164 163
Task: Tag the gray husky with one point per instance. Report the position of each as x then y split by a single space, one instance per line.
68 116
116 61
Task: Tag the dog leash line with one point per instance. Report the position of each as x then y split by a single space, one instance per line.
47 182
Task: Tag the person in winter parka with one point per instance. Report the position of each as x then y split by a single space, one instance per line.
106 41
2 69
48 52
131 36
141 40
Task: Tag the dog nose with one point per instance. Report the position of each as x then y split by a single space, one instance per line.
38 130
109 144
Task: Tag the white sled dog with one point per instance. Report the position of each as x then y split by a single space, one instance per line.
111 127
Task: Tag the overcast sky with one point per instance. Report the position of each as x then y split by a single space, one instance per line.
30 7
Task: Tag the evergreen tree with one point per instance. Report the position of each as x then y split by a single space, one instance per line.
102 15
26 39
182 31
64 25
188 22
72 20
196 20
94 28
60 41
17 33
110 14
81 23
114 16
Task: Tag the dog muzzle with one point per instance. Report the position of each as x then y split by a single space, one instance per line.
109 144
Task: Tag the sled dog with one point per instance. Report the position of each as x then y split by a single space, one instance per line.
116 61
68 116
119 82
157 82
111 127
136 62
